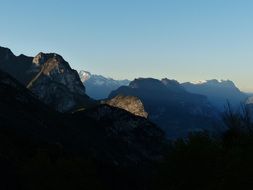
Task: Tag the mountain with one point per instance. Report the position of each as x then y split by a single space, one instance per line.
170 106
48 76
98 86
218 92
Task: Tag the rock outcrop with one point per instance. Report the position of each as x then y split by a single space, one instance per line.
129 103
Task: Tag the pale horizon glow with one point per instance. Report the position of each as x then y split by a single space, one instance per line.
182 40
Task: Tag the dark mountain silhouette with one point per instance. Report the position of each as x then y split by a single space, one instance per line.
170 106
37 141
98 86
218 92
49 76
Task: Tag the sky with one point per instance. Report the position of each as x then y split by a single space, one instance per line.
186 40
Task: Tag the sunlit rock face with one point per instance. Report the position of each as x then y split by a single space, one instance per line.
218 92
56 83
84 76
49 76
129 103
170 106
56 69
98 86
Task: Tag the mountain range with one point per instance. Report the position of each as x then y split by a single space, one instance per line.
54 136
218 92
170 106
176 108
99 87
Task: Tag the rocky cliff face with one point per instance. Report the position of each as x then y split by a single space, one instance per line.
57 84
129 103
55 68
49 76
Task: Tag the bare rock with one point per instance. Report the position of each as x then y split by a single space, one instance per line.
129 103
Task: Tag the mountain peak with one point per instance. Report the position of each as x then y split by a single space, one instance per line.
217 82
146 83
98 86
41 58
48 76
172 84
6 53
84 75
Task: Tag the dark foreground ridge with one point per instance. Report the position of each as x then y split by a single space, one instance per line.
107 136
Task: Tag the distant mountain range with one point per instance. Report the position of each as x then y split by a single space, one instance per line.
170 106
98 86
208 97
218 92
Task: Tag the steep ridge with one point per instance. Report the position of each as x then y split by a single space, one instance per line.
50 77
16 66
170 106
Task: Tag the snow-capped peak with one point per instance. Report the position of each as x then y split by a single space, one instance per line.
212 81
199 82
84 75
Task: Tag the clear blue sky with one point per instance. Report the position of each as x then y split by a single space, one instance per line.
186 40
